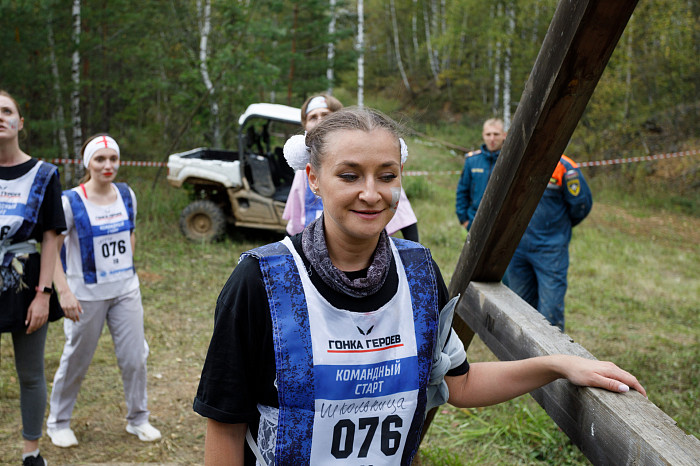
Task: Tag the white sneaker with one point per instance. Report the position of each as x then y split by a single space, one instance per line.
146 432
63 438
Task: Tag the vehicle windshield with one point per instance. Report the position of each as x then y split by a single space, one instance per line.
267 137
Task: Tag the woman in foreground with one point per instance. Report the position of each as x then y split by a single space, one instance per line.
330 346
303 206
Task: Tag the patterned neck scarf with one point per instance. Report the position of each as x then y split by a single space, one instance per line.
313 243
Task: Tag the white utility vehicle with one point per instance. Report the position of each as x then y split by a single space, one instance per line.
247 187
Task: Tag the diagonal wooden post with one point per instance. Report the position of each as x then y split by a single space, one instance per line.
574 53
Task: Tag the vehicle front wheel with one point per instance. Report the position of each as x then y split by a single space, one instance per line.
202 221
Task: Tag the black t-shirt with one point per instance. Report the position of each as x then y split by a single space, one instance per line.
51 211
239 370
15 304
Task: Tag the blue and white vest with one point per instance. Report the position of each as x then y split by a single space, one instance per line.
20 202
351 385
313 205
105 238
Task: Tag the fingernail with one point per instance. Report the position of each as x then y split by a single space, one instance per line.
623 388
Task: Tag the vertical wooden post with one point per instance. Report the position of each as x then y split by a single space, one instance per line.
575 51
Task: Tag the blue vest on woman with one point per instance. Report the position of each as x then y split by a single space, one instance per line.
87 232
351 385
22 216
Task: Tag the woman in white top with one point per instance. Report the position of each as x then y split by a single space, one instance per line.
100 285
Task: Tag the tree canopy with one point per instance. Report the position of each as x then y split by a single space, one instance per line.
135 69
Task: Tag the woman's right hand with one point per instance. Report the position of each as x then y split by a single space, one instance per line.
71 306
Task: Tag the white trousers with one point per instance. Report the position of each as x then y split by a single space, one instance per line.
124 317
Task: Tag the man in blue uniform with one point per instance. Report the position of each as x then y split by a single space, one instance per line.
477 170
538 269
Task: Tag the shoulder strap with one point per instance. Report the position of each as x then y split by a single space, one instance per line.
81 219
268 250
418 266
128 201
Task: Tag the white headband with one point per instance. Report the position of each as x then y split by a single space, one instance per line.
316 102
100 142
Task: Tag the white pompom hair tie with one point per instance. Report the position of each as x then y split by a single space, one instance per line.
296 153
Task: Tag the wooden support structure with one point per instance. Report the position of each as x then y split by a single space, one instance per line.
609 428
575 51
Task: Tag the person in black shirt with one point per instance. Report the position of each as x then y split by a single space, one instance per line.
331 346
30 213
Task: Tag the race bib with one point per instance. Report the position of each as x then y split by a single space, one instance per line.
111 231
14 195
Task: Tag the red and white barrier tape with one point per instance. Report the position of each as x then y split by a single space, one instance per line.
670 155
125 163
592 163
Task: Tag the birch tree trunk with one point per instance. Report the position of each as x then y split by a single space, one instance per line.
428 44
397 46
443 33
496 80
414 28
331 48
205 30
434 18
628 68
535 21
60 114
496 69
507 84
292 62
75 77
462 41
360 54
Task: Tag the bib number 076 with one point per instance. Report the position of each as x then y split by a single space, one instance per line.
113 247
344 436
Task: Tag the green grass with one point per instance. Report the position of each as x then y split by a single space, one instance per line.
633 298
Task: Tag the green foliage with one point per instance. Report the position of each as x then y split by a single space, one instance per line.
633 299
517 432
140 76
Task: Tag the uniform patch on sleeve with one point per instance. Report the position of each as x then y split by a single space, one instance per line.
477 170
574 186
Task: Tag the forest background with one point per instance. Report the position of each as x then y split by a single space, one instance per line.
171 75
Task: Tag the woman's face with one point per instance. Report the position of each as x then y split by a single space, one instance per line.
104 165
359 182
10 121
315 116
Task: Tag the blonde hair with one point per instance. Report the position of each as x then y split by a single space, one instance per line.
494 122
349 118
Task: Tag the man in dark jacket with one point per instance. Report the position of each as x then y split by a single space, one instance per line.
477 170
537 272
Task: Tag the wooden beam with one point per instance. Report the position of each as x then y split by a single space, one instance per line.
609 428
575 51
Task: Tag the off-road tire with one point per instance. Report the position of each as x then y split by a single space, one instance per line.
202 221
